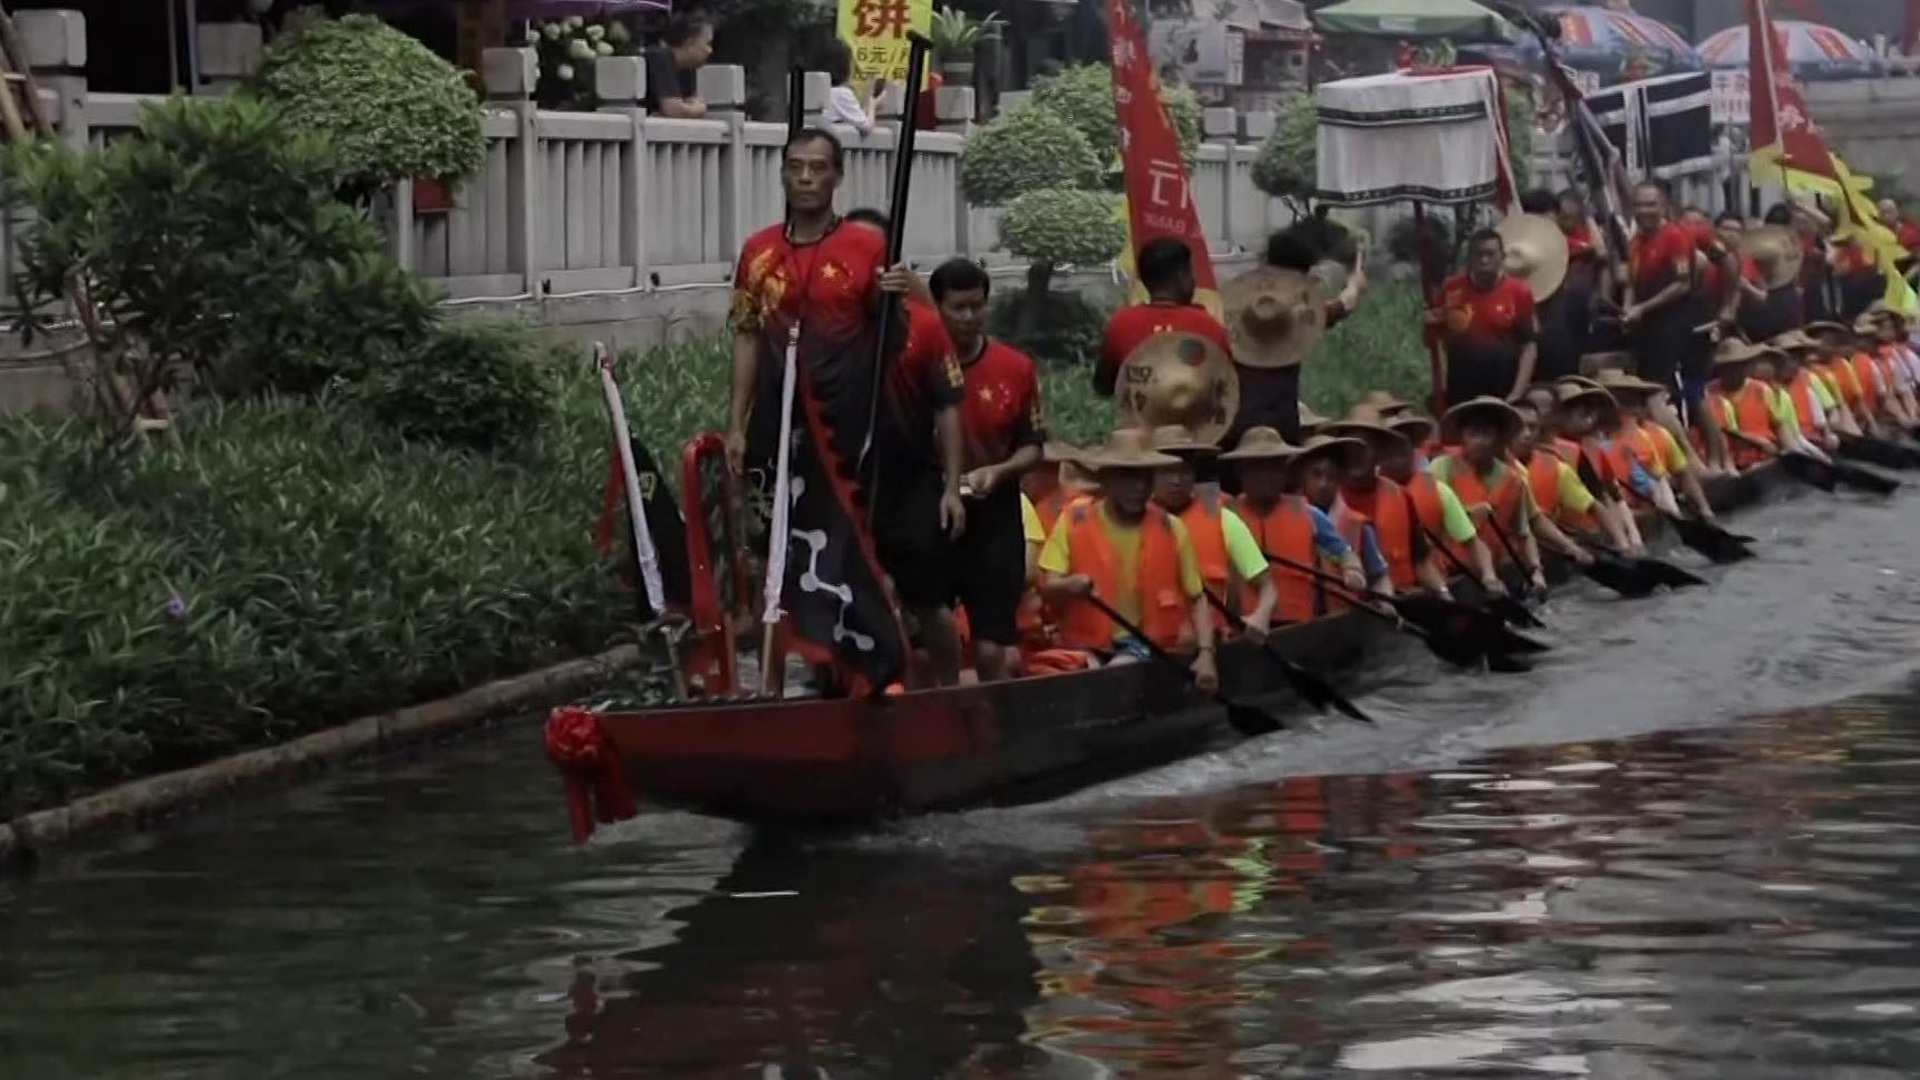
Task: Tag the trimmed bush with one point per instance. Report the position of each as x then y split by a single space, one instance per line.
1067 330
213 241
1284 166
1083 96
476 385
1062 226
390 107
1025 150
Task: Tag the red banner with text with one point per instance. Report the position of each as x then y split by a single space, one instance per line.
1159 194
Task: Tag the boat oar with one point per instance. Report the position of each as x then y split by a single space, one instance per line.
1633 577
1312 689
1878 451
1802 467
1245 719
1512 549
1502 604
1457 637
1716 543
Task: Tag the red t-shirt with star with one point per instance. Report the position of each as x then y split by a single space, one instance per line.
1659 258
1473 317
1001 410
921 380
1133 325
829 284
1909 235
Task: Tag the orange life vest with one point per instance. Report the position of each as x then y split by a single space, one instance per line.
1748 412
1209 538
1869 379
1543 479
1806 403
1504 497
1393 517
1286 530
1841 376
1156 580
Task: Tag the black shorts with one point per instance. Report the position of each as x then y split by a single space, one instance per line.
989 566
907 538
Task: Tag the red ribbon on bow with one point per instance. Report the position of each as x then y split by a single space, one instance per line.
596 778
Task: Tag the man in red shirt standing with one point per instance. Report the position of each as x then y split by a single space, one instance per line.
812 284
1001 430
1165 269
1488 330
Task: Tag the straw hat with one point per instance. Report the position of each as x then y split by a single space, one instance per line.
1536 252
1776 251
1483 405
1413 427
1384 403
1366 422
1567 392
1309 420
1330 444
1619 382
1794 341
1735 351
1127 448
1175 439
1815 329
1273 316
1178 378
1261 444
1595 362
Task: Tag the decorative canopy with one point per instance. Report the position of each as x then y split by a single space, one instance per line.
1813 50
1618 46
1462 21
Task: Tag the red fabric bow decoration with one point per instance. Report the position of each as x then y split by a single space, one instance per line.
596 778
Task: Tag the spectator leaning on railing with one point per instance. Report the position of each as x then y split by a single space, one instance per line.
670 66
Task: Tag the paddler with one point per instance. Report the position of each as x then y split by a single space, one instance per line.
1481 431
1057 480
1559 496
1652 446
1231 562
1436 507
1288 526
1877 340
1135 557
1816 405
1893 333
1164 266
1748 408
1390 508
1581 413
1321 470
1001 434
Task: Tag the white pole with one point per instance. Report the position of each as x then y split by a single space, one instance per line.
777 538
643 549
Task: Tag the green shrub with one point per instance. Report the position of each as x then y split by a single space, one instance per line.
476 385
1284 167
214 241
1067 331
390 107
1083 95
1025 150
1063 226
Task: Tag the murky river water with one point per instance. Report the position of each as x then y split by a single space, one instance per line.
1666 854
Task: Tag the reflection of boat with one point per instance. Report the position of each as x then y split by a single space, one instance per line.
804 964
852 759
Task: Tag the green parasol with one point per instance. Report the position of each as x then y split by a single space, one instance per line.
1462 20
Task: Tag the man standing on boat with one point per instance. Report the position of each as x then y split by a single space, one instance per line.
1489 337
808 289
1134 557
1165 269
1001 431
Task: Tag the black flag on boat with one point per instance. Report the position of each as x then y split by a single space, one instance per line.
834 596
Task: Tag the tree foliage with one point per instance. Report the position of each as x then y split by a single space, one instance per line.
1083 95
391 107
1023 150
1059 225
213 242
477 385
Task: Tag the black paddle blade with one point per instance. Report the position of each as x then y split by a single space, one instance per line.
1673 577
1809 471
1876 451
1504 664
1317 691
1865 479
1628 580
1510 641
1514 613
1710 540
1250 721
1455 651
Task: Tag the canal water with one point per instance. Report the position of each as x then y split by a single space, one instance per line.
1688 846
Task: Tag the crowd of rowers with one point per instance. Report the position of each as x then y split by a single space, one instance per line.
1219 494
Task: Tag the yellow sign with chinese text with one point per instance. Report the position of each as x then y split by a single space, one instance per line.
876 31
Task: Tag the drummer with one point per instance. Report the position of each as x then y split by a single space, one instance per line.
1274 316
1771 303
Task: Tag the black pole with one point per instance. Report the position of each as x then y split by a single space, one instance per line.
917 47
796 100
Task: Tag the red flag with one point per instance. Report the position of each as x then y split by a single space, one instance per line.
1779 113
1159 196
